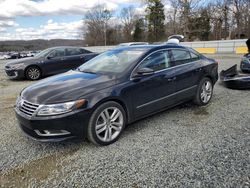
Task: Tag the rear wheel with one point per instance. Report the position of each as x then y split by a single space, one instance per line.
33 73
106 123
204 92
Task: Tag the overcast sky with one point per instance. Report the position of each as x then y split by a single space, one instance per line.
49 19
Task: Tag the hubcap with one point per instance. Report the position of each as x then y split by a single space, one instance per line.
34 73
206 92
109 124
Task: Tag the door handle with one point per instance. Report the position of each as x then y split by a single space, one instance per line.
171 79
63 58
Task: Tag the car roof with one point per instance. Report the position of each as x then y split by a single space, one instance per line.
65 47
150 47
132 43
76 47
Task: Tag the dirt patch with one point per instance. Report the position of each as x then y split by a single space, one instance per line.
3 84
38 170
7 102
201 111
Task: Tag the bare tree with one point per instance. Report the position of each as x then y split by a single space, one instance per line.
128 18
172 17
221 18
96 21
196 19
188 8
241 14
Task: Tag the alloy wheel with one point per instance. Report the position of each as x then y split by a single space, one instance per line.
109 124
34 73
206 91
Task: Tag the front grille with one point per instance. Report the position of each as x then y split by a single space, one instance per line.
27 107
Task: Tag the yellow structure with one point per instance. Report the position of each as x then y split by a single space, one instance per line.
241 50
206 50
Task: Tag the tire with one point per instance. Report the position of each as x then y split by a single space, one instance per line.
204 92
33 73
101 124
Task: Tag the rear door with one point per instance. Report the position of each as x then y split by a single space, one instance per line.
188 68
74 57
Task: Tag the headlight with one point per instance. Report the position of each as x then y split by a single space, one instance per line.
17 66
56 109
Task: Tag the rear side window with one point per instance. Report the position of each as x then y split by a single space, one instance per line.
180 57
194 56
157 61
83 51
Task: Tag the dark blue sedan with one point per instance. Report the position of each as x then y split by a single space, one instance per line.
113 89
48 62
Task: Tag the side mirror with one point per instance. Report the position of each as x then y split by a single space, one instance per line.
50 57
145 71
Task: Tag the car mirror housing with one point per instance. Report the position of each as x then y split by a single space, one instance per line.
145 71
50 57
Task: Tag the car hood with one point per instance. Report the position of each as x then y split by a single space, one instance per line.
248 45
68 86
24 60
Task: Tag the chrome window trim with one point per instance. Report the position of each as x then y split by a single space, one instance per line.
166 49
165 97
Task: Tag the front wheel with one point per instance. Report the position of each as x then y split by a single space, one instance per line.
106 123
204 92
33 73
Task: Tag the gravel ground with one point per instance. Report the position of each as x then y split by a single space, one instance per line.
187 146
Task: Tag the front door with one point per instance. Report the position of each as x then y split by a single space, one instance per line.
153 92
55 61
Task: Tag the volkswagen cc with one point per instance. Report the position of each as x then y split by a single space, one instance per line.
99 98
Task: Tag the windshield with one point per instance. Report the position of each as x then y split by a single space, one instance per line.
114 61
43 53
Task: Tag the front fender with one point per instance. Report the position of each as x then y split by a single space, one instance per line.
100 97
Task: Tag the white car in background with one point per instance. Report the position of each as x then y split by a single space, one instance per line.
31 54
5 56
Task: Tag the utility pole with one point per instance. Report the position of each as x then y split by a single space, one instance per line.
105 33
106 16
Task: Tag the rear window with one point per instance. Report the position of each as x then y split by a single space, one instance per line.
73 51
83 51
194 56
180 55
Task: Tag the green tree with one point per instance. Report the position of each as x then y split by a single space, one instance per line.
139 32
199 26
204 25
155 17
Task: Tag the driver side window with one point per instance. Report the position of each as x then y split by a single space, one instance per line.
157 61
57 53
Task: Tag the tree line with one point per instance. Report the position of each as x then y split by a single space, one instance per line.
197 20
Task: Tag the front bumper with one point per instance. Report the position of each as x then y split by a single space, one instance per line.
15 73
54 128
